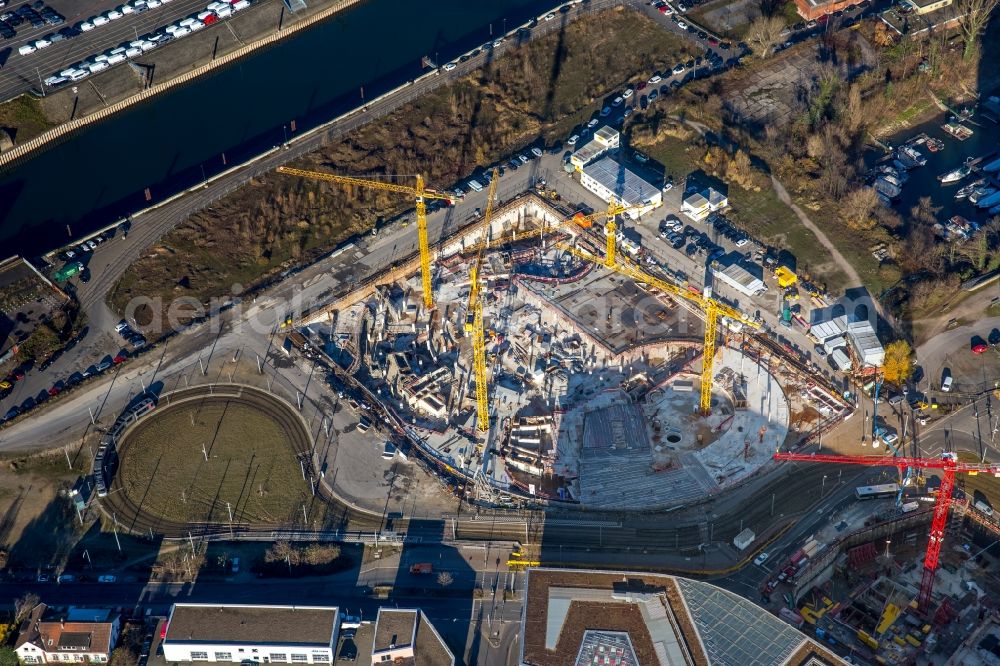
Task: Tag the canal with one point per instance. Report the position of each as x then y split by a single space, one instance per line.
923 181
176 140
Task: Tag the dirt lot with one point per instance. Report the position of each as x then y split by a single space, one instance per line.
276 221
36 523
250 465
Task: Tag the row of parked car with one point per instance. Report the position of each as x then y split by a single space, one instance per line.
135 48
38 14
81 250
130 335
58 387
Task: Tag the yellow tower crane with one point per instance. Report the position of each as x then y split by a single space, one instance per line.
476 323
419 192
610 228
712 308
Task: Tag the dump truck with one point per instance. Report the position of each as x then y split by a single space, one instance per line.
422 568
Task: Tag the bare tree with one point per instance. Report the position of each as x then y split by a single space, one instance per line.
975 14
764 34
445 579
858 206
23 605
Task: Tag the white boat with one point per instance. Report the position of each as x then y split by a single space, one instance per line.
887 189
955 175
981 193
964 191
913 154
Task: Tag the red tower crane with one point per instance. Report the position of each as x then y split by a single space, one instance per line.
949 465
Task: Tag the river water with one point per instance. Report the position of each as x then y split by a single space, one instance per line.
177 139
923 180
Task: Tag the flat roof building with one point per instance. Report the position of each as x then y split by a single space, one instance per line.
813 9
865 344
235 633
737 276
701 204
608 179
574 617
605 139
404 637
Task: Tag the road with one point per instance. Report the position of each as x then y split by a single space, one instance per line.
691 539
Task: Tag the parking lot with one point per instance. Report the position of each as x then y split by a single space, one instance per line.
86 29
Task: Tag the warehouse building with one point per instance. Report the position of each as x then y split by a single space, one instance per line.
732 272
605 139
865 344
235 633
608 179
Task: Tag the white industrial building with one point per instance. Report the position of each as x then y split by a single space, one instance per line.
235 633
607 178
865 344
850 332
605 139
739 278
700 205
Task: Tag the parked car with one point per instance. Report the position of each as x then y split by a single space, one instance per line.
946 380
760 559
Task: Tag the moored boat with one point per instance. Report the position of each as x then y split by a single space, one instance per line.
955 175
957 130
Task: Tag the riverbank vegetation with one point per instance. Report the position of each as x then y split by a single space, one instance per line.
540 89
22 119
816 149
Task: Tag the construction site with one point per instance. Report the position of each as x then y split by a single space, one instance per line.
534 359
544 363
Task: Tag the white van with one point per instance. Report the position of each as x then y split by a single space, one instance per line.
27 49
946 381
476 185
984 508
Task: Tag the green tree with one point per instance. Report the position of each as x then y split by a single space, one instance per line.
898 364
8 657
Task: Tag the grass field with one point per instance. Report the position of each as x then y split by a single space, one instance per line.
250 465
761 213
25 114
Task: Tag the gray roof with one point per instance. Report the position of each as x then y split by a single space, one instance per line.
259 625
629 187
394 628
734 631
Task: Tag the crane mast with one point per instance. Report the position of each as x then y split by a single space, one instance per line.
420 194
712 308
949 465
476 308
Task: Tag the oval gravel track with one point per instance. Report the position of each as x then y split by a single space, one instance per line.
134 519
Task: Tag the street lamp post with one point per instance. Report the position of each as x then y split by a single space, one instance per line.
887 542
